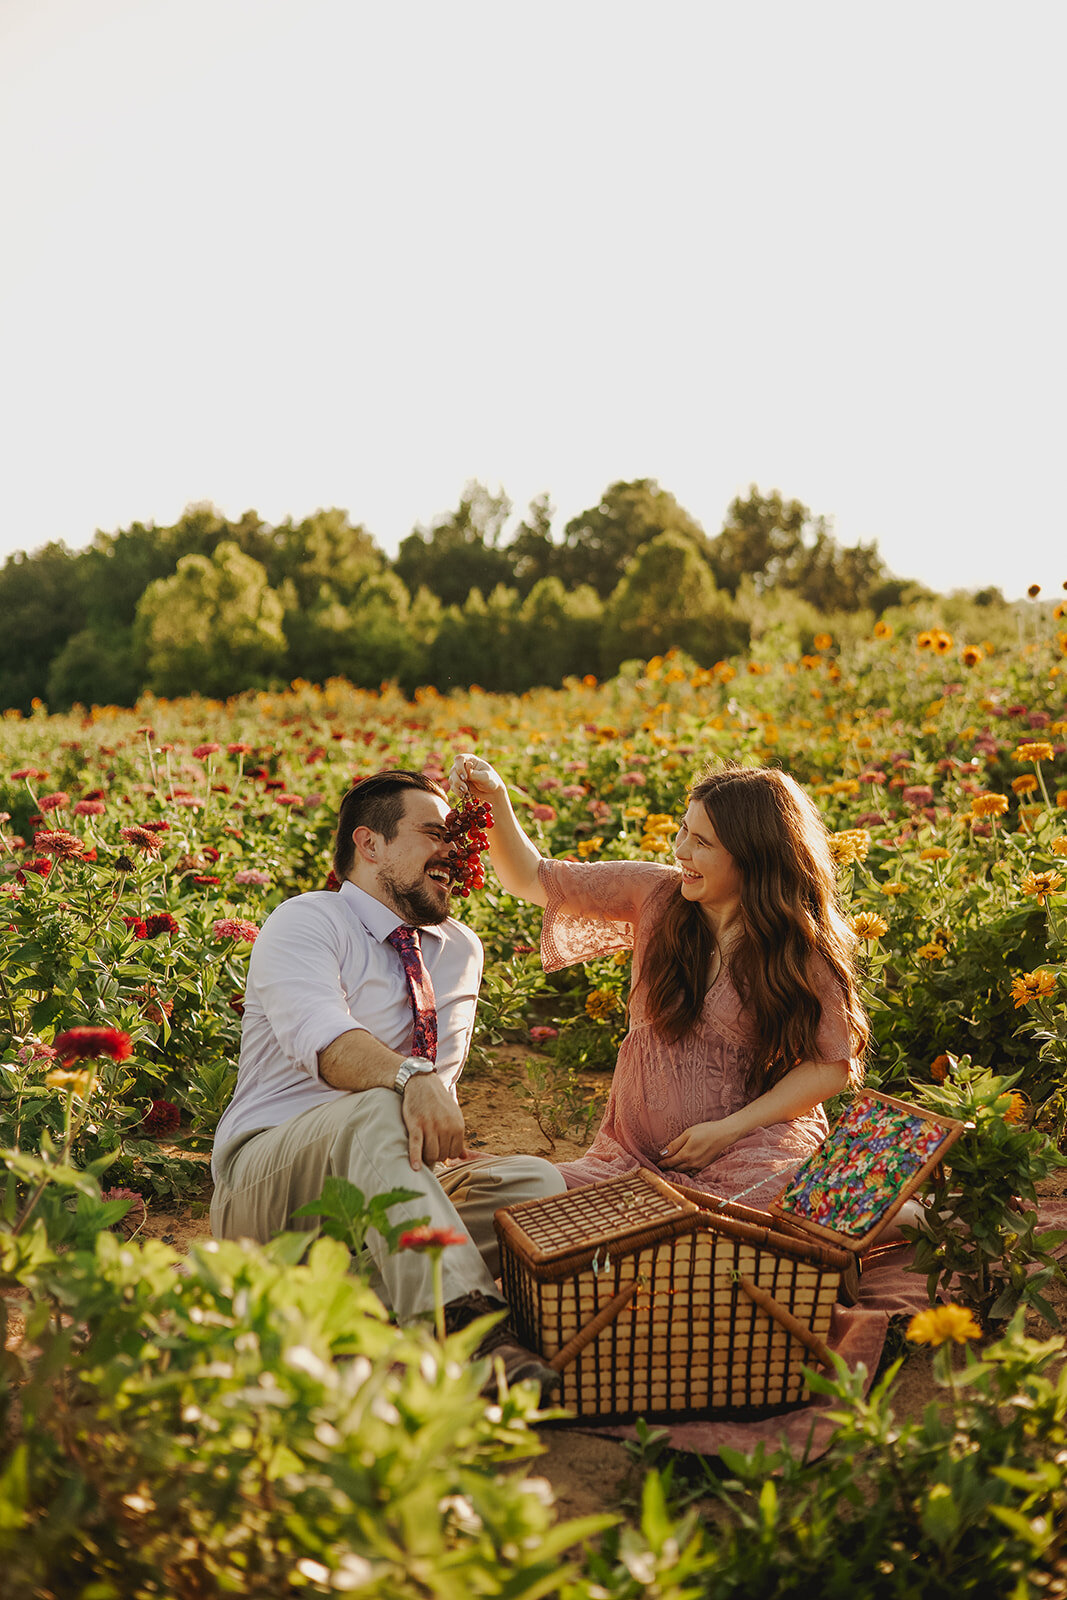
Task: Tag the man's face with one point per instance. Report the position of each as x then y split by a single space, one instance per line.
412 869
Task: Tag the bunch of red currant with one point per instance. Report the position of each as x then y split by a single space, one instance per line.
467 826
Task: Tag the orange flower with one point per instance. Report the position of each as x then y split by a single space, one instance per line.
882 630
1017 1104
989 805
1026 784
942 643
822 641
934 852
940 1067
970 655
1032 986
868 925
931 952
1042 884
941 1323
1034 750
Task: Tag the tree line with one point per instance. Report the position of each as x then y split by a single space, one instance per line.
213 606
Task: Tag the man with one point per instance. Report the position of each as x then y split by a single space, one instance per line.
358 1016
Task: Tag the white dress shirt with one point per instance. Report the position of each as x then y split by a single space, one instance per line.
321 967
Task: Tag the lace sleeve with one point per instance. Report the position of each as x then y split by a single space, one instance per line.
832 1041
594 906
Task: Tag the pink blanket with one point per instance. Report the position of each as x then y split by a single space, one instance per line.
887 1289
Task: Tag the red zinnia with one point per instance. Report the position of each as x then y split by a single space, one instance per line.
137 925
159 922
53 802
202 751
89 808
427 1238
162 1116
29 772
205 877
77 1043
142 838
41 866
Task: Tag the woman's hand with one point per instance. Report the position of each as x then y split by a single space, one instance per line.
472 776
698 1146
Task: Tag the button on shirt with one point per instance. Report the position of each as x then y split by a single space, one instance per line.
321 967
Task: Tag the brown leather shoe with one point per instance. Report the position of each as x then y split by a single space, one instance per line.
519 1364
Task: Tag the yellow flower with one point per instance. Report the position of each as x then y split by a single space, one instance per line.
934 852
79 1082
882 630
970 655
941 1323
942 643
989 805
822 641
589 847
931 952
1059 846
1035 750
868 925
925 640
851 845
1016 1109
601 1003
1061 799
1032 986
894 888
1025 784
1042 884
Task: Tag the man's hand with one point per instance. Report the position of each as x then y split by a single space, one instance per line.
698 1146
433 1120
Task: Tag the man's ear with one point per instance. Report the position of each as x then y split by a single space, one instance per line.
367 843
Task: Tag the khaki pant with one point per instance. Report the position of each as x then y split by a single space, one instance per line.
267 1175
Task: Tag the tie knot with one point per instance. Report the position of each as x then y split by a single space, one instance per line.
404 939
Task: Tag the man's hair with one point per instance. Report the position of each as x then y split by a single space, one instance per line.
376 803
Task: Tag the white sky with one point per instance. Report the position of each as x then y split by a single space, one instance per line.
328 252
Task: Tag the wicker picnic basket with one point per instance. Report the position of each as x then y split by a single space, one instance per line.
659 1302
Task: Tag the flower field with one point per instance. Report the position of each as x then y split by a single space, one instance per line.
142 851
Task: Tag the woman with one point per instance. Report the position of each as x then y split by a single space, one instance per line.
744 1015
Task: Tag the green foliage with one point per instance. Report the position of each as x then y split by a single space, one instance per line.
979 1234
348 1216
214 627
666 599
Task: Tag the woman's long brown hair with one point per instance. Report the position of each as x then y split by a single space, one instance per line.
789 917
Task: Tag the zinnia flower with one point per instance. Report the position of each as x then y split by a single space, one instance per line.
202 751
1059 847
162 1116
158 922
89 808
427 1238
868 925
143 839
1036 750
79 1083
941 1323
971 655
543 813
822 641
59 843
53 802
989 805
850 845
251 875
882 630
1026 784
541 1031
1042 884
1031 986
601 1004
235 928
940 1067
81 1042
894 888
934 852
930 952
1016 1108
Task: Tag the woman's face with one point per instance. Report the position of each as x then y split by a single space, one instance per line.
710 875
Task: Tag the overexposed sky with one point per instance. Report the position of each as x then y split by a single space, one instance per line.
280 254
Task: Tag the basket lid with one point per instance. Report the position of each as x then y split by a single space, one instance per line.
554 1228
875 1156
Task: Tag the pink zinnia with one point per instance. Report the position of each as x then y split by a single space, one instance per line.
238 749
143 838
89 808
59 843
235 928
543 1031
91 1041
202 751
288 800
53 802
29 772
543 814
251 875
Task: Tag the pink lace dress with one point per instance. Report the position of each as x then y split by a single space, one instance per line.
660 1089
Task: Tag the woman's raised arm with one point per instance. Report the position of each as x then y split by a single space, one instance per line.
515 858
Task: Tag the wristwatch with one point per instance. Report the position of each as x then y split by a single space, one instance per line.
411 1067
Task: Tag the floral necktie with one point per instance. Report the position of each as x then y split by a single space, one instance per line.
405 941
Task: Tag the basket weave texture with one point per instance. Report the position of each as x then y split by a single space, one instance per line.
681 1283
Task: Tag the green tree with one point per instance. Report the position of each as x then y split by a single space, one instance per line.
598 543
667 600
42 606
323 552
96 667
557 634
214 627
761 536
532 553
459 552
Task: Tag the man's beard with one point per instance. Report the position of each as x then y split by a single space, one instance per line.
414 902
